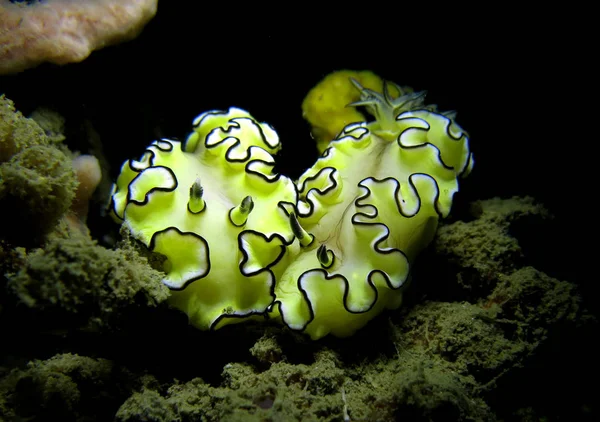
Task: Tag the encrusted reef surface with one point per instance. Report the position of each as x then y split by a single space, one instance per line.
86 333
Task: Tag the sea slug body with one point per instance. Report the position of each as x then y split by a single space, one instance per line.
213 207
370 204
323 255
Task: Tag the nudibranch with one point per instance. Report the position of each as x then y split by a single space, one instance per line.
366 208
216 211
324 107
323 255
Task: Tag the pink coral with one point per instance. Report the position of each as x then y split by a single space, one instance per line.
66 31
88 172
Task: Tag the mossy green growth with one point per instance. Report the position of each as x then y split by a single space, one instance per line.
16 131
74 275
37 181
61 388
37 186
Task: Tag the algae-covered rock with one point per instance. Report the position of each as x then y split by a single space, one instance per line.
410 384
267 349
477 251
50 262
75 275
535 302
52 123
37 181
37 186
147 405
465 336
284 392
66 387
17 133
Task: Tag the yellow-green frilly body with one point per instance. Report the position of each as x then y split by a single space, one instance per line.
215 210
370 204
323 255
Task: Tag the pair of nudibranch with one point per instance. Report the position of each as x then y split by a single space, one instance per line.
324 254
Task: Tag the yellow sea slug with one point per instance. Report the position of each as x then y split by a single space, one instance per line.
369 205
323 255
215 210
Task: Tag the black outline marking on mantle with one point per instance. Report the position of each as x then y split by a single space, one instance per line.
159 144
424 144
464 136
129 163
467 162
186 283
377 249
267 239
151 159
463 133
234 123
334 185
273 281
396 191
152 190
208 113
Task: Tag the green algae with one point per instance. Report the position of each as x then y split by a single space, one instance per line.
74 275
464 336
476 252
534 302
326 390
17 133
37 181
37 186
66 387
53 125
49 266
